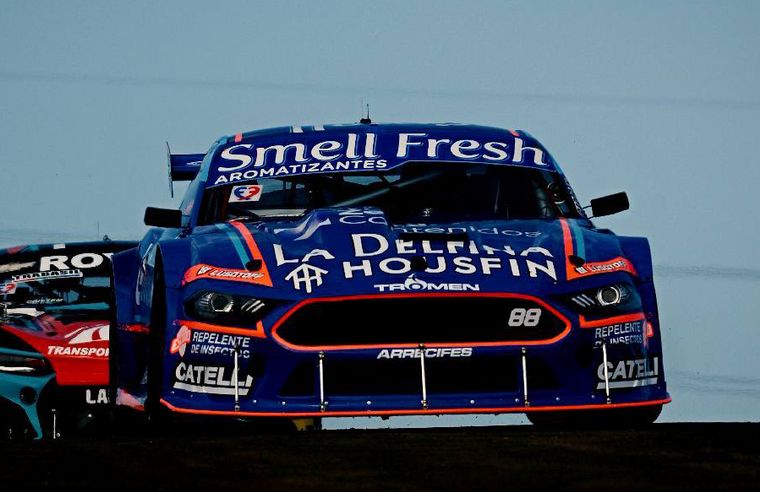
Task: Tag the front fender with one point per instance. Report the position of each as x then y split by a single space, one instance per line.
134 275
176 257
126 266
637 250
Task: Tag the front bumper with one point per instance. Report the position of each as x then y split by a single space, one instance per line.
21 394
275 379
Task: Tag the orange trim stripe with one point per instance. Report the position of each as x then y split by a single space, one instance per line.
421 411
626 318
570 270
248 332
567 239
254 250
129 400
650 330
135 328
310 348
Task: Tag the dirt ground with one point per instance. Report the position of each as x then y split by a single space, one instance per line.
664 456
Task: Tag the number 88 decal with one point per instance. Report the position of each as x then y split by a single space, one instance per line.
524 317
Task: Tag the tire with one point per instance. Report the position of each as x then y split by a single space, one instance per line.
113 357
123 420
619 418
14 424
156 345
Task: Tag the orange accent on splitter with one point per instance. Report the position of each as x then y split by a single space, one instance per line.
420 411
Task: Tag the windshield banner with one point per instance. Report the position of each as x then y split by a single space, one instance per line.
340 148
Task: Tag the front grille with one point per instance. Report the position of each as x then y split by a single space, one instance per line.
387 320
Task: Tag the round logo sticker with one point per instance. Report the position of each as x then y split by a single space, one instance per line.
246 193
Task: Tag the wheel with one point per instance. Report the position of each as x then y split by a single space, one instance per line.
156 345
618 418
14 424
123 420
113 358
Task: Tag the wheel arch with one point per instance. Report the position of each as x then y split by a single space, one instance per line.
133 281
126 266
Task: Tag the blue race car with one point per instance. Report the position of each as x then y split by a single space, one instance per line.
385 269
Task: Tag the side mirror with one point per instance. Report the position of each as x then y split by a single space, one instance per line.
163 217
610 204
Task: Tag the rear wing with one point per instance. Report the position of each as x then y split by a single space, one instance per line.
182 167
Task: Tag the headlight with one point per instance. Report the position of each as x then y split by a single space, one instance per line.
607 299
227 308
23 365
610 295
211 304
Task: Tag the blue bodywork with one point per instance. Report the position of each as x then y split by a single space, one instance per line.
348 254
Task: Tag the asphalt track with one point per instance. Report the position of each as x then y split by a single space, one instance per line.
661 457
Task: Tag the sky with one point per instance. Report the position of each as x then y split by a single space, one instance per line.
657 98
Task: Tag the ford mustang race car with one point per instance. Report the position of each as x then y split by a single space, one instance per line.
385 269
55 313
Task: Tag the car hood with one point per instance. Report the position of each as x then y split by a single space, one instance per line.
353 251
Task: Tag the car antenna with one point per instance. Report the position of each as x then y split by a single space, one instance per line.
365 120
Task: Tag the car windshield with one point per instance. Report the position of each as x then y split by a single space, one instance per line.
415 192
59 294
